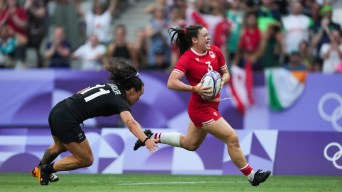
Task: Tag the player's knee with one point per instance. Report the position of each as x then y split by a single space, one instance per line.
87 161
191 147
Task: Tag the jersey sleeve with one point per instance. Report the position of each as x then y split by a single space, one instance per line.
180 66
220 58
122 104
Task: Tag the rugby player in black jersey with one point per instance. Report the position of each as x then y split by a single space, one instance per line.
116 97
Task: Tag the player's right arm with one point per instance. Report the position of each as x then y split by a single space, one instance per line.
135 128
175 83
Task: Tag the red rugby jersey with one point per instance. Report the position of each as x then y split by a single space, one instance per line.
194 65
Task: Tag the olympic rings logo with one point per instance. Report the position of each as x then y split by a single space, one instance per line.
336 156
336 113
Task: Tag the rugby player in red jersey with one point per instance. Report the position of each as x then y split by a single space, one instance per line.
197 58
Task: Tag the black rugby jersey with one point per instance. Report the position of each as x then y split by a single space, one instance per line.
99 100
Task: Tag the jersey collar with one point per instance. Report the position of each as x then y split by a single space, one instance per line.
198 54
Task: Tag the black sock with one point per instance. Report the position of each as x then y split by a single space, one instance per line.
48 168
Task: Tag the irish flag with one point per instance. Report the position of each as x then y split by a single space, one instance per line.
284 87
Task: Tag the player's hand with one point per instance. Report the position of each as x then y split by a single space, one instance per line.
151 145
205 91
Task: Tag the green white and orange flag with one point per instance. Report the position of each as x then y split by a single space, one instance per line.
284 87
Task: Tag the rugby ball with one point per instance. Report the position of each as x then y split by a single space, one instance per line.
211 79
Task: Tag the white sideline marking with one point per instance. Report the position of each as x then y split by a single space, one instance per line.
177 183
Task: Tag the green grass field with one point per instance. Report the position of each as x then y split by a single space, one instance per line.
161 183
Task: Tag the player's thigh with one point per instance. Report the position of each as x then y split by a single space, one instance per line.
81 151
221 129
195 135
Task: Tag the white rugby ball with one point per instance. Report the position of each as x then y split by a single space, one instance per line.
211 79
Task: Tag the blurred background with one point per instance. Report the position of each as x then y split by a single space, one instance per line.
284 97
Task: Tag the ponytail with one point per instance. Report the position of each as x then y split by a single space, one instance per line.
182 37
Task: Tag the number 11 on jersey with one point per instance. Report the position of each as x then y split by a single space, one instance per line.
96 94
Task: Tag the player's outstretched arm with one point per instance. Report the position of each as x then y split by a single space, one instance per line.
135 128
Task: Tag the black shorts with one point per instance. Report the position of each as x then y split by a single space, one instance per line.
64 126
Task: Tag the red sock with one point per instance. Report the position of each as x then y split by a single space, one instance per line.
156 135
246 170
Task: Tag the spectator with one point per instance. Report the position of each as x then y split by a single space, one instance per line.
221 30
7 46
156 31
160 61
98 21
182 6
271 47
175 17
202 6
248 48
249 42
323 29
64 16
216 7
313 12
140 47
295 62
296 26
119 47
282 6
58 50
36 29
306 54
235 16
90 54
16 18
157 4
175 21
337 11
332 53
267 15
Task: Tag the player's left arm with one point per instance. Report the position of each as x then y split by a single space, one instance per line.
223 67
224 76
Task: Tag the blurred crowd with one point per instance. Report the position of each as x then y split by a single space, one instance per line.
295 34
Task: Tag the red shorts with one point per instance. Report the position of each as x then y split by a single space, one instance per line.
203 112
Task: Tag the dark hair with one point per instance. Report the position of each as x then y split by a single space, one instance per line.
124 74
182 37
100 5
122 26
250 14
